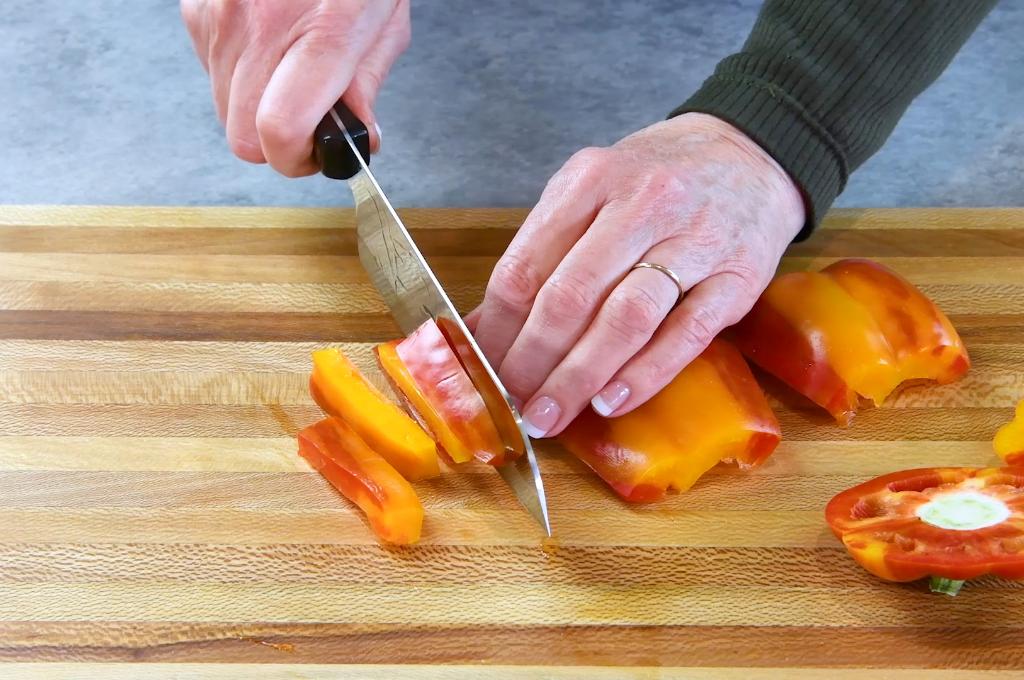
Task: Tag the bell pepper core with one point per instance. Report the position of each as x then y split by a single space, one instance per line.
854 329
950 524
714 410
341 391
363 476
1009 440
427 372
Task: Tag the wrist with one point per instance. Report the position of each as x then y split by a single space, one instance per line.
782 193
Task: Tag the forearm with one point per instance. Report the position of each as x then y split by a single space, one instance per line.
820 84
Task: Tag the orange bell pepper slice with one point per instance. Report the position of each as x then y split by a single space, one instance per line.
363 476
950 524
341 391
713 411
855 329
1009 441
427 372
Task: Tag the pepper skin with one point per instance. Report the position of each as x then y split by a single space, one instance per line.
341 391
713 411
335 451
427 372
855 329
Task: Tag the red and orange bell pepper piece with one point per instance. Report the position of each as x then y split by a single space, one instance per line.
950 524
1009 440
425 369
341 391
363 476
713 411
855 329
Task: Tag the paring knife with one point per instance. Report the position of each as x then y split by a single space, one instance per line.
413 294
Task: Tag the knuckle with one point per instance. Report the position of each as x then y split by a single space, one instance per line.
747 276
660 371
278 130
514 282
587 159
633 315
701 327
246 149
567 296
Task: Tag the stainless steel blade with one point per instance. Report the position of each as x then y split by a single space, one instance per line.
413 294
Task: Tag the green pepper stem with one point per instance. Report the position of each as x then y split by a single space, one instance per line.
948 586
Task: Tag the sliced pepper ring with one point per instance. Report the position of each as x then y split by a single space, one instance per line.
946 523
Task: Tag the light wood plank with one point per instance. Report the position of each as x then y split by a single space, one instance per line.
283 671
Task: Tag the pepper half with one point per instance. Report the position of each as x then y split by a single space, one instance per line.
855 329
341 391
427 372
713 411
950 524
363 476
1009 441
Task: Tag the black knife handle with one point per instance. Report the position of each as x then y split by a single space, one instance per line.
332 150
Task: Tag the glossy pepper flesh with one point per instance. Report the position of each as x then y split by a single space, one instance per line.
427 372
1009 440
855 329
714 410
363 476
342 391
951 524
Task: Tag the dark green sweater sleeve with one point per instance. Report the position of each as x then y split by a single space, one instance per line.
820 84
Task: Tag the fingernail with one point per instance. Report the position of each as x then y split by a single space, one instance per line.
541 416
610 398
379 136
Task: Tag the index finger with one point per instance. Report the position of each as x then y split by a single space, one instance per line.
566 209
312 75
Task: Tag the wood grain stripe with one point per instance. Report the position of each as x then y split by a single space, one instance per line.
307 490
266 240
279 671
224 269
741 647
502 524
913 242
507 604
205 326
273 420
372 565
817 458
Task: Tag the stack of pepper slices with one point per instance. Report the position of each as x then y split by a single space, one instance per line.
850 333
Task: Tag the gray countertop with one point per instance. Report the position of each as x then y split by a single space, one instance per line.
103 102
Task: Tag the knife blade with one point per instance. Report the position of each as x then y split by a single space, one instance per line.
412 292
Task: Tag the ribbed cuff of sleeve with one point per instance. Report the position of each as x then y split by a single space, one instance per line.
782 128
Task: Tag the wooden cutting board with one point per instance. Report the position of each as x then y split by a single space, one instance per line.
153 366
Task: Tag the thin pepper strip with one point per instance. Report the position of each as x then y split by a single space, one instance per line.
1009 440
342 391
363 476
428 374
945 523
713 411
855 329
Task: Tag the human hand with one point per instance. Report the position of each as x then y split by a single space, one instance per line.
277 67
565 318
